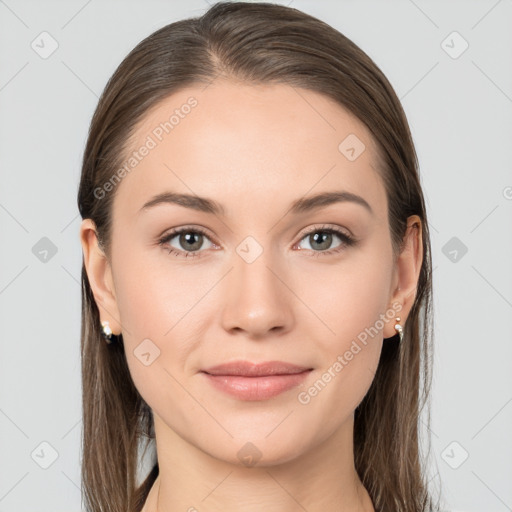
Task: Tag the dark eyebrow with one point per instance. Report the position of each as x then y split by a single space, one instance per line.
302 205
201 204
306 204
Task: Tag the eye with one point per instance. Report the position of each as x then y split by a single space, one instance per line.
191 241
321 240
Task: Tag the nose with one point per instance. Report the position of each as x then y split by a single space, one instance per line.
257 300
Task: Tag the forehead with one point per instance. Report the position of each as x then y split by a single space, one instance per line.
249 147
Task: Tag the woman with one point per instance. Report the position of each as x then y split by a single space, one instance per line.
256 275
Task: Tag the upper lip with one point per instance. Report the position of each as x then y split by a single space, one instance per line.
248 369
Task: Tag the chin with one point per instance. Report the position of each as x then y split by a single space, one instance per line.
260 450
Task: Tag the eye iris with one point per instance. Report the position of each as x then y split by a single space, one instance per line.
324 236
189 240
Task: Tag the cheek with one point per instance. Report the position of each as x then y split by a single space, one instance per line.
349 298
155 293
353 308
161 309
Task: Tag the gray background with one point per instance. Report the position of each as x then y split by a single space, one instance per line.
459 106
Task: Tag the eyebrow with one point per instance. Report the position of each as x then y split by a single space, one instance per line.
305 204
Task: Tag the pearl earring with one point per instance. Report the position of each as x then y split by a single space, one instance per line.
398 328
107 331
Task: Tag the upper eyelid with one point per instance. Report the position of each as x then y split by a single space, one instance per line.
327 227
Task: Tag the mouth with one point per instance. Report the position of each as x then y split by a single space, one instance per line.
248 369
250 381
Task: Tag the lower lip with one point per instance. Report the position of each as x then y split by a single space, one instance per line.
256 388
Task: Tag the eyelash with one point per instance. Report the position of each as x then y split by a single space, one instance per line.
347 241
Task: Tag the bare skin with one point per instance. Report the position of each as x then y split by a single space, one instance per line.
255 150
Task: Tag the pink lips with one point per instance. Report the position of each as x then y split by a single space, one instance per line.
249 381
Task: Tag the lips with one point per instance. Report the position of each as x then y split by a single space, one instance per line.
248 369
250 381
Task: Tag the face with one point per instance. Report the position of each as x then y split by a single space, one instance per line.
255 275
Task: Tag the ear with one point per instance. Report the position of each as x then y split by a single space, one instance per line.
406 274
99 273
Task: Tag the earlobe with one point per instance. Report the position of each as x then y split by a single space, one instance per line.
99 273
408 267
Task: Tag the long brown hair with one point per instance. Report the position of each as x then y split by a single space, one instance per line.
255 43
